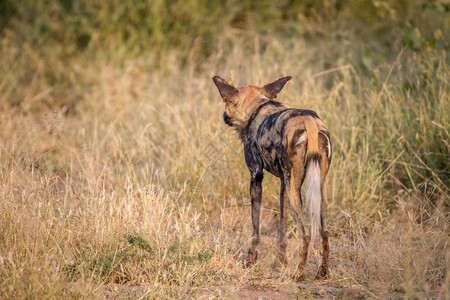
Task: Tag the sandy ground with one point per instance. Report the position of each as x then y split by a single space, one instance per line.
321 290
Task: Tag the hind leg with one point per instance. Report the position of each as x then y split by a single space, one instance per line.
323 269
282 242
295 206
304 240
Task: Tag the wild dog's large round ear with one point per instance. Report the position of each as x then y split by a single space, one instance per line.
226 90
271 90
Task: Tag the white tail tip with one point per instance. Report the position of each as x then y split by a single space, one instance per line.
313 196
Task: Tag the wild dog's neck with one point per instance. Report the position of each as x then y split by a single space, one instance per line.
242 130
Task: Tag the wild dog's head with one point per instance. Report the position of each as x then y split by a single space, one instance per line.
242 102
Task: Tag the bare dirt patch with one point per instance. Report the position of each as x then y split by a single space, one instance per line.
287 290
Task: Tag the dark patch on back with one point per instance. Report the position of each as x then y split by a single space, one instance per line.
306 112
255 114
303 112
269 122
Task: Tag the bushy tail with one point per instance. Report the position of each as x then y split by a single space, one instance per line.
313 177
314 193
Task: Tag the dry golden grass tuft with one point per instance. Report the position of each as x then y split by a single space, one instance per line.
138 189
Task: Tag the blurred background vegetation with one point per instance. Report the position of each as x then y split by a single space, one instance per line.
362 32
138 26
55 40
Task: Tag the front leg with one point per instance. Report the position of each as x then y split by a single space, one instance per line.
281 261
255 194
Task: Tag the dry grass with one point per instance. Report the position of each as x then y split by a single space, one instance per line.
140 186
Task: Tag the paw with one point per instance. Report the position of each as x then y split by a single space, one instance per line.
251 259
299 275
322 273
279 262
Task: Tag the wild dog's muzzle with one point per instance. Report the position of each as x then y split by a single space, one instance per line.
227 119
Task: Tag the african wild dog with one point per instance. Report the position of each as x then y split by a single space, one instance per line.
292 144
